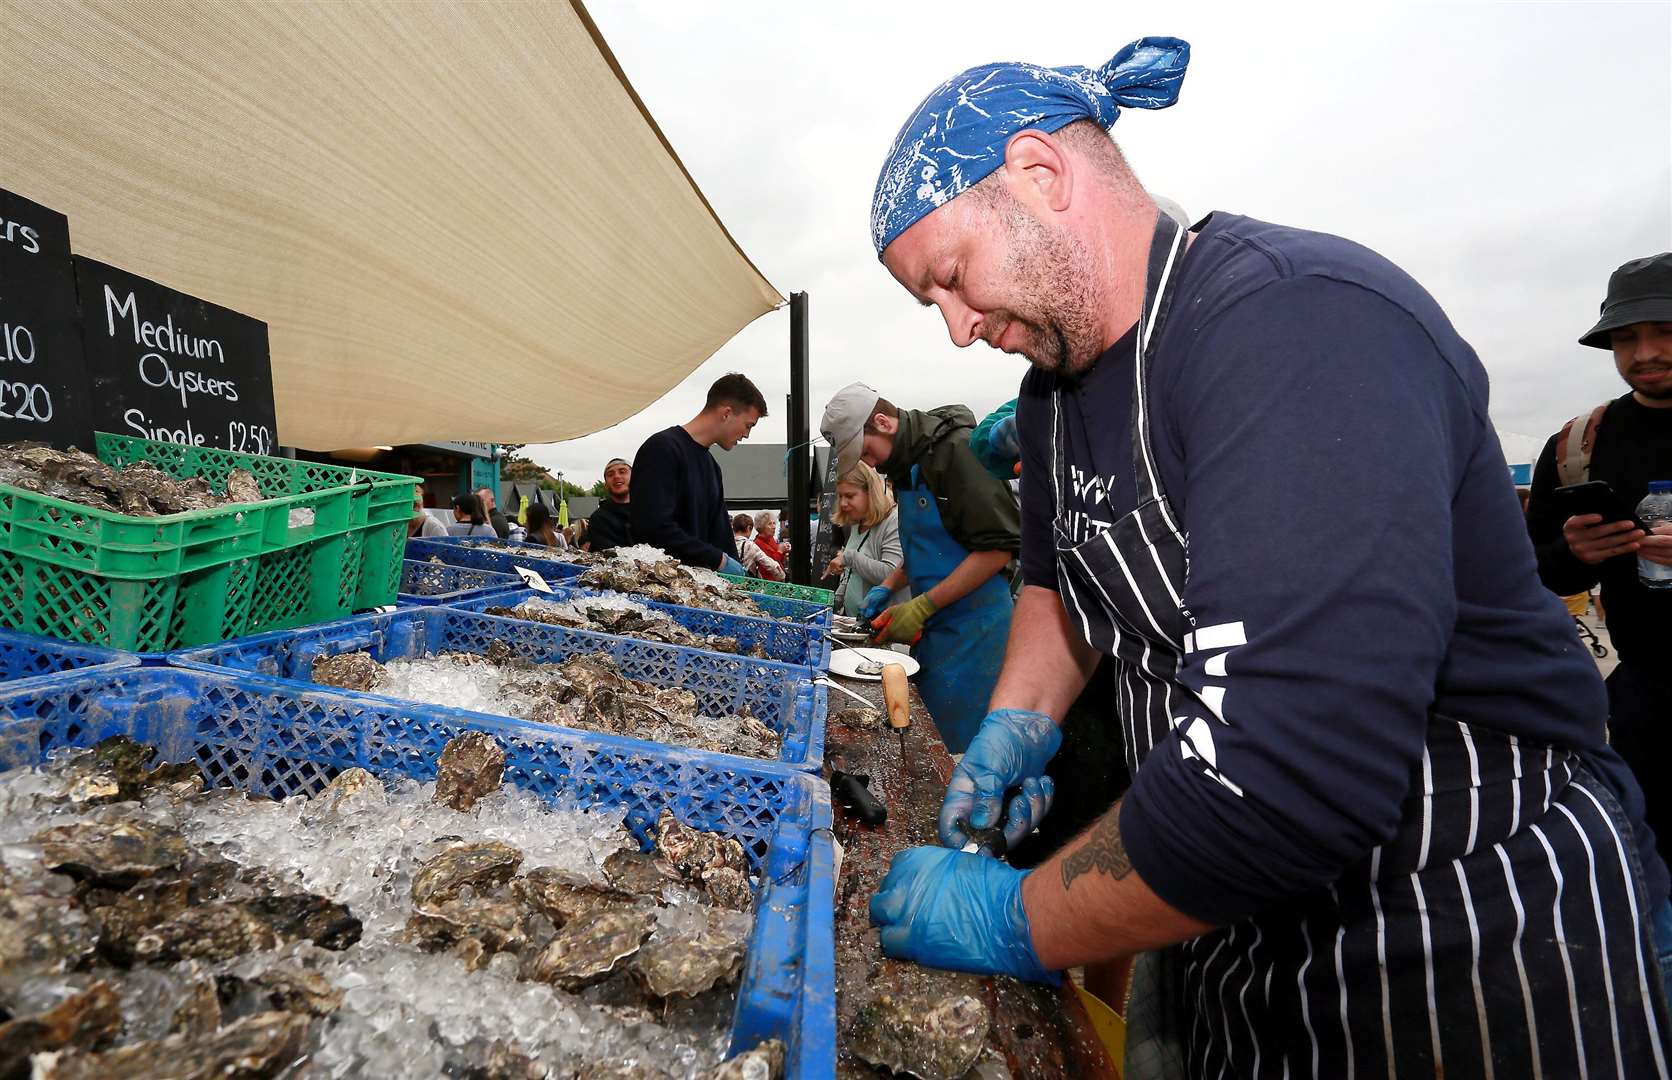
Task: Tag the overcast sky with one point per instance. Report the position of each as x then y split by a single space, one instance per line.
1507 155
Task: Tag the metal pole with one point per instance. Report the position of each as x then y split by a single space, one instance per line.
801 456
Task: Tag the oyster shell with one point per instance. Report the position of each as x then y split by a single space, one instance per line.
140 489
84 1021
480 1059
616 1070
298 990
263 1045
39 933
242 486
930 1038
479 866
639 873
591 947
728 888
496 925
225 929
862 719
685 967
764 1062
472 765
714 863
199 1012
114 853
560 898
351 790
347 671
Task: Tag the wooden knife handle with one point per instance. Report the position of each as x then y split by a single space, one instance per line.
897 695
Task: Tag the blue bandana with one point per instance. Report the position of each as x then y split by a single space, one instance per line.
957 136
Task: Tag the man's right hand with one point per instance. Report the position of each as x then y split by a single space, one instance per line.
729 565
1594 541
1013 746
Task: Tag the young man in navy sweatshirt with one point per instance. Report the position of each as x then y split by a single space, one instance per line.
678 498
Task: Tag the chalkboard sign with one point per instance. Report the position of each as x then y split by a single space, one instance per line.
822 553
43 379
169 366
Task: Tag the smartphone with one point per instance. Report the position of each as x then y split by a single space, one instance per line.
1594 497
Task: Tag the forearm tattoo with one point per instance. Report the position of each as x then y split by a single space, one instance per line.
1102 851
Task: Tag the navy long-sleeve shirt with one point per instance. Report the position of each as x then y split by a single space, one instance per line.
678 500
1322 429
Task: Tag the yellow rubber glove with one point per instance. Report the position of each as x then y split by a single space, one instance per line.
904 622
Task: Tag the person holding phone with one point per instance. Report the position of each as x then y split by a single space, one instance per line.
1586 485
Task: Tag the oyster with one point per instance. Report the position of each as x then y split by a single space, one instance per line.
472 765
495 925
347 671
591 947
931 1038
263 1045
639 873
114 853
764 1062
140 489
39 933
862 719
479 866
224 929
85 1021
683 967
199 1012
560 898
616 1070
481 1059
351 790
714 863
242 486
298 990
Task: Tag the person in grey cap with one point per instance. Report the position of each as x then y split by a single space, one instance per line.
611 525
1627 444
959 530
1374 827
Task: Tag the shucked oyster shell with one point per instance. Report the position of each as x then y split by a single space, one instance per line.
591 947
931 1038
472 765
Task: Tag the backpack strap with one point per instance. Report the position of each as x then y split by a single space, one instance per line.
1573 456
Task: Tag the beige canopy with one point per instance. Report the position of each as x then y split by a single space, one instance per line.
457 219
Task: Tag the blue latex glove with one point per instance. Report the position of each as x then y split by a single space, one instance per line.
875 601
960 912
1003 439
732 566
1013 746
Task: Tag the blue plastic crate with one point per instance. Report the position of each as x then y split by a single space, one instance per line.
777 694
269 738
23 656
470 551
807 644
443 583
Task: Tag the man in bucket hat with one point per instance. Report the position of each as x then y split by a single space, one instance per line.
1374 827
1626 443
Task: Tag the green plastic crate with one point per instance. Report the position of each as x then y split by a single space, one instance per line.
149 584
784 588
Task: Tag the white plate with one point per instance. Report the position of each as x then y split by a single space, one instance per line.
844 661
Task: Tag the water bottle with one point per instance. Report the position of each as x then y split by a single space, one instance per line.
1656 507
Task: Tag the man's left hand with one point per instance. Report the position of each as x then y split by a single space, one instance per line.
904 622
1657 546
958 911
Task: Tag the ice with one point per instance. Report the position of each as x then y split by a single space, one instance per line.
644 554
577 607
405 1012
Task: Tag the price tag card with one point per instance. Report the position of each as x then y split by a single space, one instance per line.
532 580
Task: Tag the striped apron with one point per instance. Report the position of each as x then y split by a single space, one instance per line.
1503 932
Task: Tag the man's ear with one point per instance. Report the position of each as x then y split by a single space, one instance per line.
1037 171
884 424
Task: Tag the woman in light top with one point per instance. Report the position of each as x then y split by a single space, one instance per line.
468 518
864 505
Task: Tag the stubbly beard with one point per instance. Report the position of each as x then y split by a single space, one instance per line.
1056 306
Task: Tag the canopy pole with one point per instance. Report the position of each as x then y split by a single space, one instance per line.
800 569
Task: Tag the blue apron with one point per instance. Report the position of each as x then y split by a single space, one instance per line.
963 644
